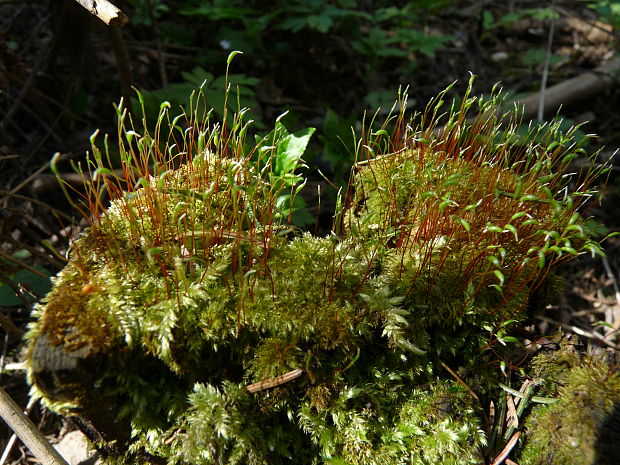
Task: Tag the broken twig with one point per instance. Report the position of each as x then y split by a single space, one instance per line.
28 432
105 11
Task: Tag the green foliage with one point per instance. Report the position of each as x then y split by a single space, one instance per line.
369 44
523 13
581 427
457 239
224 427
537 56
370 36
36 279
213 94
338 141
222 335
607 10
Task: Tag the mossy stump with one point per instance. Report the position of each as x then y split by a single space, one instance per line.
194 325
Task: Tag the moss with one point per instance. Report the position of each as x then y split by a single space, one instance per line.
72 318
581 428
221 335
455 230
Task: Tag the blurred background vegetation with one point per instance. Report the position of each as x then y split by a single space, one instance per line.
326 62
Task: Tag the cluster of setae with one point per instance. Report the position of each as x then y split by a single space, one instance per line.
193 324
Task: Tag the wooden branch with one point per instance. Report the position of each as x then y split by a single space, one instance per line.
105 11
572 91
507 449
28 432
273 382
13 439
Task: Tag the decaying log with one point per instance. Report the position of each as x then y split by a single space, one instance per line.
573 91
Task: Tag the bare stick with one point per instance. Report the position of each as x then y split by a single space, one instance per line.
123 63
273 382
28 432
507 449
543 83
11 443
460 381
105 11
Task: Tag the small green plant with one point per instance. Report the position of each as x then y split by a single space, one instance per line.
524 13
194 324
607 10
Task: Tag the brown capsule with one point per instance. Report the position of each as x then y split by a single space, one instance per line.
90 289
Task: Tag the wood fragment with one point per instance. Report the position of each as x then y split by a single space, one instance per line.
105 11
13 439
459 380
572 91
507 449
32 438
512 420
273 382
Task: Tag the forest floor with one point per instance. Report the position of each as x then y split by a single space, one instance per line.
57 86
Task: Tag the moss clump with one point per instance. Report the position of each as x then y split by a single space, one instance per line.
71 317
221 335
582 427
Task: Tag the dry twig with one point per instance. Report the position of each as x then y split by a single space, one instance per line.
11 442
105 11
507 449
28 432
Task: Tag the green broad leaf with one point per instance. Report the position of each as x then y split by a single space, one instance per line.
290 149
321 23
297 211
302 217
